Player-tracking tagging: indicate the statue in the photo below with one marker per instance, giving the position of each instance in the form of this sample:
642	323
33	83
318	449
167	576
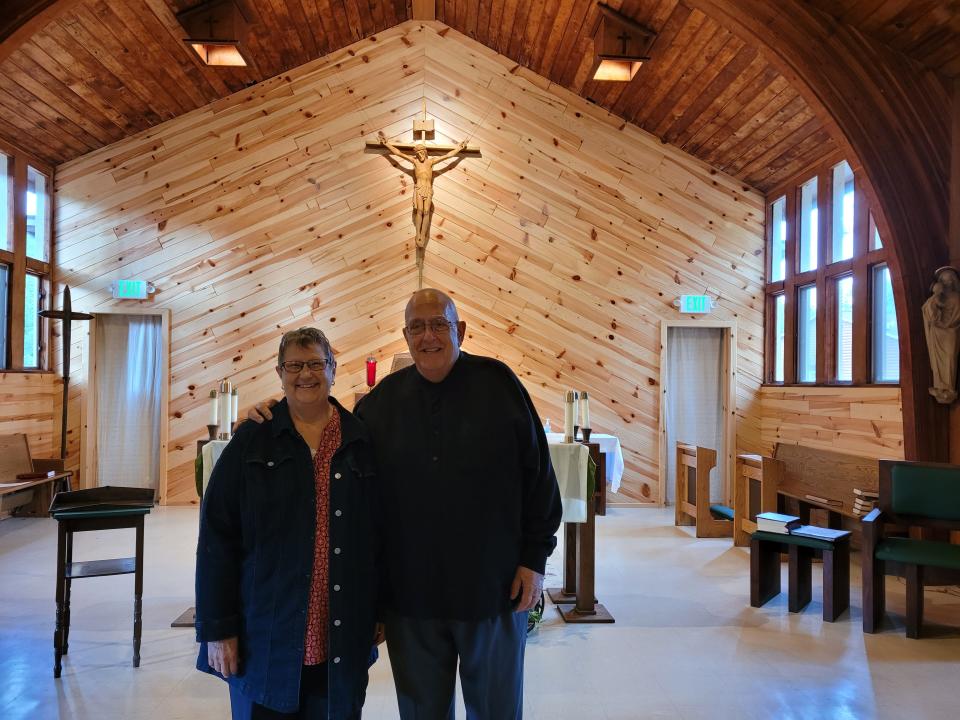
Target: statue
422	189
941	323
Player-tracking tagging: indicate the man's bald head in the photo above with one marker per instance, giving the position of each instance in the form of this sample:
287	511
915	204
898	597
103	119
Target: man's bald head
433	332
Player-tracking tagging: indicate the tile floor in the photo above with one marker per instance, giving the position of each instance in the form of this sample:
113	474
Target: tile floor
686	644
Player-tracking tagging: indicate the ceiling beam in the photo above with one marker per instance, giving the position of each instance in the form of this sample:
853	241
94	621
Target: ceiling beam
424	10
26	20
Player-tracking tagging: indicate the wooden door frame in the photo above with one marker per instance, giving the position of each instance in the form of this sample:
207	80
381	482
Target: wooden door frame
88	439
728	330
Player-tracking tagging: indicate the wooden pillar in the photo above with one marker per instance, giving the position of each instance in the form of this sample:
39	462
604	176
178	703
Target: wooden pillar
424	10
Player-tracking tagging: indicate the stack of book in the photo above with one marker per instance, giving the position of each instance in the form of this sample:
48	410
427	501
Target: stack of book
776	523
864	501
819	533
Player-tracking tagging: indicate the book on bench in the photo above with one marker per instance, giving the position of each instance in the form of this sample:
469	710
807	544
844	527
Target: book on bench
819	533
36	475
777	522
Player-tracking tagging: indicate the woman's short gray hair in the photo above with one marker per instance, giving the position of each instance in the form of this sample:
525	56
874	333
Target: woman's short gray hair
305	337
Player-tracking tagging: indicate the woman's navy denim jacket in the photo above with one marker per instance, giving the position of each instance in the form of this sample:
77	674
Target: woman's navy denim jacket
255	561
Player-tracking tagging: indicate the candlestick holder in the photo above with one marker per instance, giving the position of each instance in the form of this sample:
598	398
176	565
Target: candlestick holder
576	430
586	434
212	431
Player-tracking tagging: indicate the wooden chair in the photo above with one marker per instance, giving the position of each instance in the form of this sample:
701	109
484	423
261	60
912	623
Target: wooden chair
693	493
754	492
918	495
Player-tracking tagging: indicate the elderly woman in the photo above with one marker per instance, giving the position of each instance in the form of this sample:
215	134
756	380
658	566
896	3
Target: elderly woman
286	580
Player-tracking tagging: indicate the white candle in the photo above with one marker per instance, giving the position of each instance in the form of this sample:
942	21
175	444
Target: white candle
568	417
212	408
224	401
234	405
584	410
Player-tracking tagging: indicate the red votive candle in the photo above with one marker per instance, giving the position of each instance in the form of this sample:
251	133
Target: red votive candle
371	371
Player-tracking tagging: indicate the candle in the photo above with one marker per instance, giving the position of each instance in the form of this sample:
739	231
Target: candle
234	405
212	408
568	417
371	371
584	410
223	399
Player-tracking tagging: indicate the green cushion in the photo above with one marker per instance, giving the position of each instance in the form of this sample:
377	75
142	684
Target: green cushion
793	540
721	512
932	492
919	552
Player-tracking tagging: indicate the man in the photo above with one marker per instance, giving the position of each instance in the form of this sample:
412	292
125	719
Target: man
470	508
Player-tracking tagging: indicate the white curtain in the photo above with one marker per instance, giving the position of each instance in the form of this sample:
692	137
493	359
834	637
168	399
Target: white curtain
694	408
128	400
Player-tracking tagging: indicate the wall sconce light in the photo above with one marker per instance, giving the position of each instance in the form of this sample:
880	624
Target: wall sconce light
620	46
215	31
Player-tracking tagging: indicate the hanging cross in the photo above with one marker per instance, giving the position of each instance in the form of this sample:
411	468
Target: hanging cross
624	38
67	316
423	173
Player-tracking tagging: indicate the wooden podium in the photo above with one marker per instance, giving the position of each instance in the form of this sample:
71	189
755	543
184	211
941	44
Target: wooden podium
576	600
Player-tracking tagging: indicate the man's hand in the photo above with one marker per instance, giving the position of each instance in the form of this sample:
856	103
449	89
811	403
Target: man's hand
261	411
378	635
527	586
224	656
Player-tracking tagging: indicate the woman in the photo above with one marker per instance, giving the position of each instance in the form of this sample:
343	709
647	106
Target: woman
286	581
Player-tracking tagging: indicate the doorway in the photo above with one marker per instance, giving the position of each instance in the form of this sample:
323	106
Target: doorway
127	397
698	400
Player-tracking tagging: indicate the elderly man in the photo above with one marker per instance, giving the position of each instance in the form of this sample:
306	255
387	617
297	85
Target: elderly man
470	508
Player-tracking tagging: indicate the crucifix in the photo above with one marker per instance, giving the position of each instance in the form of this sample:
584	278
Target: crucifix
418	154
67	315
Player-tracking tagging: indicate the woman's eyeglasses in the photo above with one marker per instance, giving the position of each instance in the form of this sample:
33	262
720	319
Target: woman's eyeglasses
295	366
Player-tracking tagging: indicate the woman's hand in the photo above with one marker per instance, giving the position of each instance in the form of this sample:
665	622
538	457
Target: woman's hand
261	411
224	656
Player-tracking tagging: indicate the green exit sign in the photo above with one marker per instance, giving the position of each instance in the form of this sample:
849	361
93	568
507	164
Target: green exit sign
131	289
696	304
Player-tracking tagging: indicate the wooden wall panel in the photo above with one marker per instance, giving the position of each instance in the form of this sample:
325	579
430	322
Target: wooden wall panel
865	421
565	243
27	403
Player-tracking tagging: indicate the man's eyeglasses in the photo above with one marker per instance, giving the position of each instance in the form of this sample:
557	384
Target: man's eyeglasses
295	366
437	326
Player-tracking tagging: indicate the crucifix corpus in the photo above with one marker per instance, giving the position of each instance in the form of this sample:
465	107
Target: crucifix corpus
417	154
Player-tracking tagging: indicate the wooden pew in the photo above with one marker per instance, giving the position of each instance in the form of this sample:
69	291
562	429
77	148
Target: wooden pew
31	497
754	491
692	500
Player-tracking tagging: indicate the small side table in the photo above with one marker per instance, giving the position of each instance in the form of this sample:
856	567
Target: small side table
765	549
103	508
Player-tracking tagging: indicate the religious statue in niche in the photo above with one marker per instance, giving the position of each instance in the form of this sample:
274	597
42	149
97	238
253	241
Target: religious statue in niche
941	323
422	189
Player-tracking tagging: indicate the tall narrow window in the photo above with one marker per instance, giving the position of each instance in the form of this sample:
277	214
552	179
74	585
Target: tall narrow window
4	311
807	334
31	322
778	338
808	225
842	212
844	342
778	240
875	242
6	214
886	343
36	215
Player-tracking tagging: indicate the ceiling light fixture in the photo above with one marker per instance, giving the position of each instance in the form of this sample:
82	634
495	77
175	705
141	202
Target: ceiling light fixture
620	46
216	31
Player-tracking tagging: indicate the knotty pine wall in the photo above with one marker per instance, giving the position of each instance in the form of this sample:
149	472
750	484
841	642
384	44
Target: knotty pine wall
27	406
564	245
864	421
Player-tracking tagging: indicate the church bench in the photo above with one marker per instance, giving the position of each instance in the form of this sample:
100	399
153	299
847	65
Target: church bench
692	497
34	494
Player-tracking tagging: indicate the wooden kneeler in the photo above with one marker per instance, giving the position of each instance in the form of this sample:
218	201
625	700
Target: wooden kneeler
693	498
576	600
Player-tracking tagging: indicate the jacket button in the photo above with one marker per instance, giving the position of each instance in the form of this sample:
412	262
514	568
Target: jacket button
336	588
336	623
338	513
435	458
336	476
270	463
336	660
336	551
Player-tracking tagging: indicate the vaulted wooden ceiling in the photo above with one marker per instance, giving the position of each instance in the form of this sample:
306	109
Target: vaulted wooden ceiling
100	71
